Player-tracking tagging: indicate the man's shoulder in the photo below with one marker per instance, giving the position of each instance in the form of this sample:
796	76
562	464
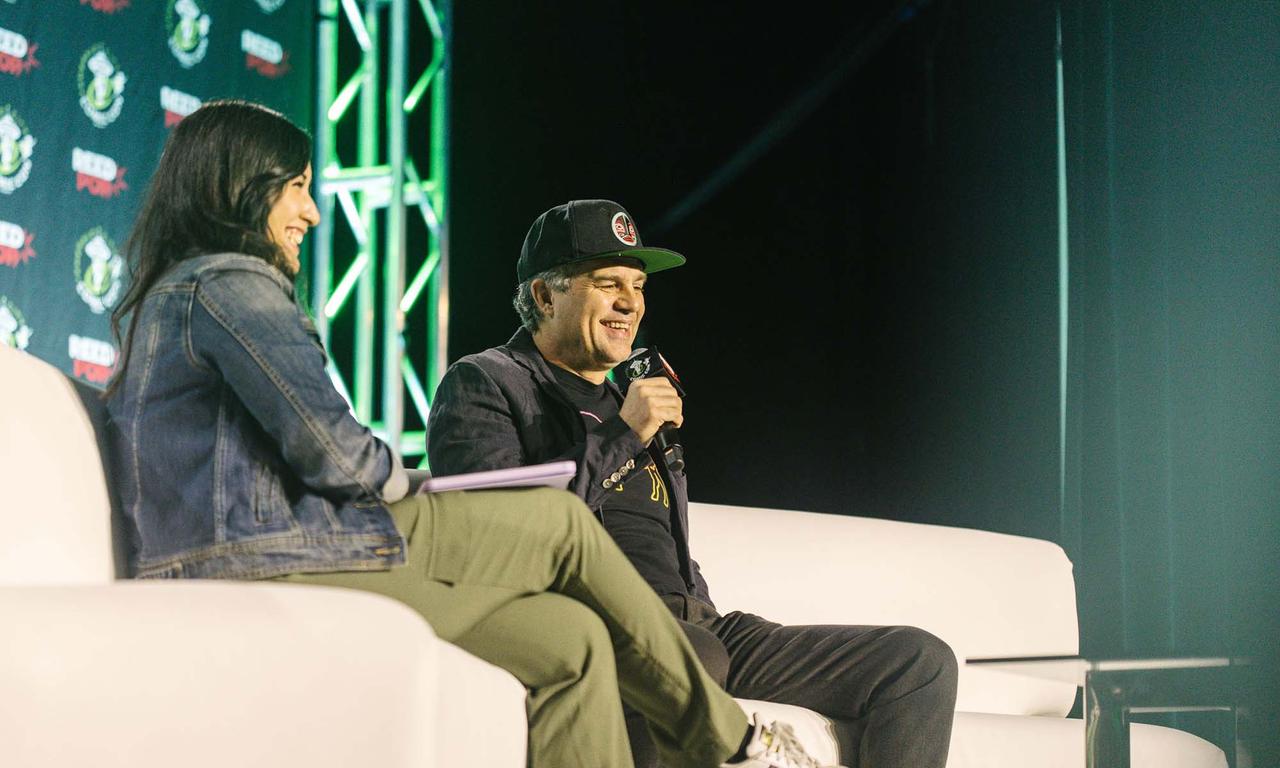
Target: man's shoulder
482	376
507	363
497	362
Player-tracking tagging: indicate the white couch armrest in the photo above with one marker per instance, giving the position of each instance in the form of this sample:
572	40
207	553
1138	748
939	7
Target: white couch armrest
213	674
986	594
53	499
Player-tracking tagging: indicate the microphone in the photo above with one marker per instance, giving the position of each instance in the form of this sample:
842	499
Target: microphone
646	363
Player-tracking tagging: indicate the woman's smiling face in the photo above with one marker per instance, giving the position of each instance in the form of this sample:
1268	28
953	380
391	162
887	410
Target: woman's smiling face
290	218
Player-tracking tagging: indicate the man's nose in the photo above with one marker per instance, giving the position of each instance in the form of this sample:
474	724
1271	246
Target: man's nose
628	299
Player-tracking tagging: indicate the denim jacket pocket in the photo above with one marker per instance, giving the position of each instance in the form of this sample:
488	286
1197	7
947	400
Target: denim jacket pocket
270	507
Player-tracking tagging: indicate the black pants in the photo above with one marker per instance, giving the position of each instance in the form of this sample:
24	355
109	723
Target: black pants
891	690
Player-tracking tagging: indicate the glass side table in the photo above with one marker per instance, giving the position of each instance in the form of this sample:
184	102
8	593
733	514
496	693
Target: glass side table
1116	688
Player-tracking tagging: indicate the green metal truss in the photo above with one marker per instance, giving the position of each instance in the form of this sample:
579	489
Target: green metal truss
368	241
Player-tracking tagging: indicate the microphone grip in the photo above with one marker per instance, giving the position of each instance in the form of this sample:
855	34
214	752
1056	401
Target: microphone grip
668	442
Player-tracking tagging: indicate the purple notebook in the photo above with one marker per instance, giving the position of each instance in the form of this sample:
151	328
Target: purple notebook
555	474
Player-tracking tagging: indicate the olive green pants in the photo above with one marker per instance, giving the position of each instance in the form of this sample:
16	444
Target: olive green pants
529	580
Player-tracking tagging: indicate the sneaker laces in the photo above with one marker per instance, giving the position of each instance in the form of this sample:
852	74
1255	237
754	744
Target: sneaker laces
784	749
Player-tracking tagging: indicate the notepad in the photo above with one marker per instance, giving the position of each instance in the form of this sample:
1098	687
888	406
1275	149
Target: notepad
555	474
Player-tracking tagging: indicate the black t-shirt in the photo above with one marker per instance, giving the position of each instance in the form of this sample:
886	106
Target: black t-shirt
638	513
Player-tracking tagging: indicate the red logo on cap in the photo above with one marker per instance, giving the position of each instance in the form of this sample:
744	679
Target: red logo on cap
624	229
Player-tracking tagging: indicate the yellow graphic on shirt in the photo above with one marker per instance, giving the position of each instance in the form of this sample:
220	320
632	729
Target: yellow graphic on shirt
657	488
659	491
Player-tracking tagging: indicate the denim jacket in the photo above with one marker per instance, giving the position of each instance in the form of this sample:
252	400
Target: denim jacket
236	456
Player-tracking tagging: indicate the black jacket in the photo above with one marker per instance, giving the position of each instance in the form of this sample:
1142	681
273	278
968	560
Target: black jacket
503	408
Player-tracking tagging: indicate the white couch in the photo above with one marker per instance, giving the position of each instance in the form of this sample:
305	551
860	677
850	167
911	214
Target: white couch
95	671
986	594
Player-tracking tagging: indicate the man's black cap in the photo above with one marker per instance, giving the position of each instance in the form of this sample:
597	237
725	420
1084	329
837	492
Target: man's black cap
581	230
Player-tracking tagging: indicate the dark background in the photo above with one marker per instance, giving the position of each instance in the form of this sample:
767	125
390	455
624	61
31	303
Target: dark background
870	321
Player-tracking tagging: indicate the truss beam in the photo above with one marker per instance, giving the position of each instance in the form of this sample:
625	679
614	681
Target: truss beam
373	185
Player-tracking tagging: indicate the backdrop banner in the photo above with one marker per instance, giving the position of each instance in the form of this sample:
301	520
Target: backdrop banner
88	92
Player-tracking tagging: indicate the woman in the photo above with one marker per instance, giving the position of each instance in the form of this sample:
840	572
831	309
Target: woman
240	460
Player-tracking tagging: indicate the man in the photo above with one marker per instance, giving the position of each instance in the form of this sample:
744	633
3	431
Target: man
544	396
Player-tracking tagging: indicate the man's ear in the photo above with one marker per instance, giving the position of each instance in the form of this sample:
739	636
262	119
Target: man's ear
541	295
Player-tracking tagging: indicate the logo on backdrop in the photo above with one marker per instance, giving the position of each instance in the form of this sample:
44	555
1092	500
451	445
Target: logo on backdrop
176	105
16	145
15	244
106	6
270	6
624	229
14	331
17	55
101	85
98	268
188	30
263	55
91	359
98	174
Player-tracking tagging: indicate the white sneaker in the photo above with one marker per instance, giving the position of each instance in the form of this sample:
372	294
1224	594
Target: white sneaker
774	745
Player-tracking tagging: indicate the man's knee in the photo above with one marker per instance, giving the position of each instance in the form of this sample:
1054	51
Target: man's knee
928	657
711	651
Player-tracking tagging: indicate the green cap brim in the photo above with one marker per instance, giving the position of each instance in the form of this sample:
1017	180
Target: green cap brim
653	259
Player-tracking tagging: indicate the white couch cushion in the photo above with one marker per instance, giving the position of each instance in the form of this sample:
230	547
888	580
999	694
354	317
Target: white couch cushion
1005	741
214	674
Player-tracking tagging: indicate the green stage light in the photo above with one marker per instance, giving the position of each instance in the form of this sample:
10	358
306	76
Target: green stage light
343	291
419	282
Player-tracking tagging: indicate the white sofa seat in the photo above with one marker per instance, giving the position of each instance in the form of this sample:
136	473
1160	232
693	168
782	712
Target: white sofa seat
984	739
214	674
988	740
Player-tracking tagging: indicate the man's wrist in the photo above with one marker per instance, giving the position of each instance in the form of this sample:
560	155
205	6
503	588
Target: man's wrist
620	435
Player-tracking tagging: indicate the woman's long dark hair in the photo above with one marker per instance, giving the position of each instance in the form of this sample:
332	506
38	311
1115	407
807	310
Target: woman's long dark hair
223	168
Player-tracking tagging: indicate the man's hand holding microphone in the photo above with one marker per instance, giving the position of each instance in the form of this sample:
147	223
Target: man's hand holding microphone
649	404
654	403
